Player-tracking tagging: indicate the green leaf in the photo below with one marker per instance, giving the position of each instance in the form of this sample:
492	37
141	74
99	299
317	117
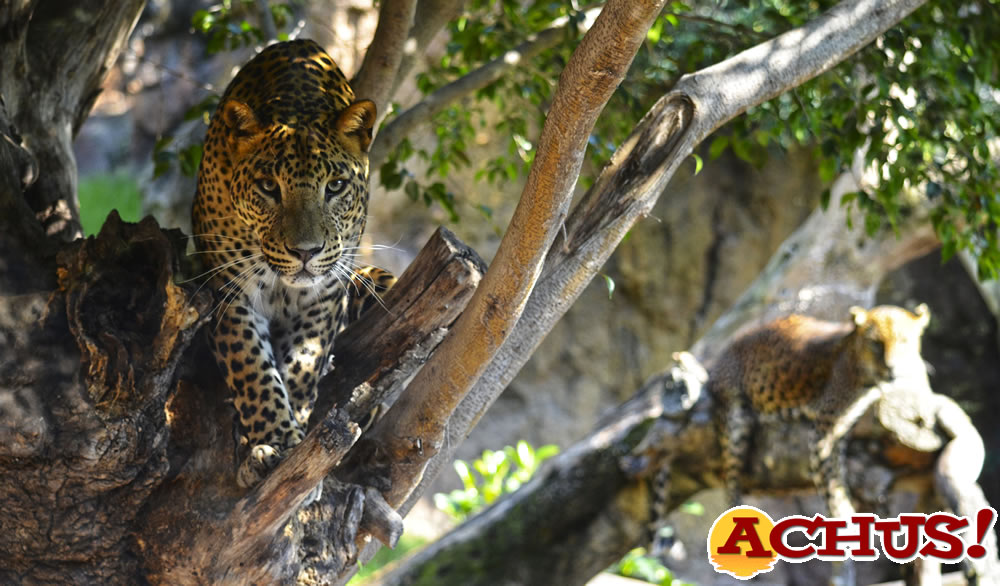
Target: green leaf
610	284
464	474
697	163
718	146
190	159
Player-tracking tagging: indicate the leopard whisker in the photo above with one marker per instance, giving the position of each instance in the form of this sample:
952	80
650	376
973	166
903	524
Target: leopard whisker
234	288
215	270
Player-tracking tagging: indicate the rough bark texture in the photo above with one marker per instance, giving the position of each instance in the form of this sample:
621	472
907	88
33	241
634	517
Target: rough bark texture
49	80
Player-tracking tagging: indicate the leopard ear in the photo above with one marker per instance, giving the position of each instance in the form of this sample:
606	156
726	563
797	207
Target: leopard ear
923	314
858	315
240	121
356	123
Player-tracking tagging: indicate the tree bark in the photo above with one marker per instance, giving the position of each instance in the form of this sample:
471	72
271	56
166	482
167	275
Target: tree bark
49	81
375	80
413	429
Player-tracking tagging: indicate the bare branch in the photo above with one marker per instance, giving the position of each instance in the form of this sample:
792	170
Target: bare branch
375	79
639	171
430	18
401	127
597	67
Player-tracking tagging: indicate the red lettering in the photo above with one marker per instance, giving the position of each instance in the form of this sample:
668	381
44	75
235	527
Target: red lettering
831	538
952	525
795	523
911	539
745	531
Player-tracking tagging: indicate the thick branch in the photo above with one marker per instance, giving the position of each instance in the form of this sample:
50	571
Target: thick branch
592	74
638	173
404	124
375	80
238	548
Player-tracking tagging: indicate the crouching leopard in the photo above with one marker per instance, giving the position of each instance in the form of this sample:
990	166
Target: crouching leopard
281	203
828	373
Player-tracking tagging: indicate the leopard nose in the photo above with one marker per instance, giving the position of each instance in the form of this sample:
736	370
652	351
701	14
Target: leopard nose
306	254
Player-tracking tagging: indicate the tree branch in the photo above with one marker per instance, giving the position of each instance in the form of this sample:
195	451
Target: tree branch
239	547
376	78
394	132
592	74
602	500
431	16
637	174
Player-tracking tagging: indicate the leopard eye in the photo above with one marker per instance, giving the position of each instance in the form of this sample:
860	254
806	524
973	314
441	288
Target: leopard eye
335	188
270	188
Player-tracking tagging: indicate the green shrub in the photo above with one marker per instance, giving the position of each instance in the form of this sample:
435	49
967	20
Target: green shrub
499	473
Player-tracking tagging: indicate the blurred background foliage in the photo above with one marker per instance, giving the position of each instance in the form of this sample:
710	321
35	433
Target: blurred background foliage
920	103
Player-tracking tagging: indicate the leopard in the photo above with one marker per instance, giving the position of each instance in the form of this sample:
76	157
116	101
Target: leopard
827	373
280	206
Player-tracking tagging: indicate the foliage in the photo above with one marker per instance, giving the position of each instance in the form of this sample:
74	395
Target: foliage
921	103
485	31
640	566
499	472
227	27
101	193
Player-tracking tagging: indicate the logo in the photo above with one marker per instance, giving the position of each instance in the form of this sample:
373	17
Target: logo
744	541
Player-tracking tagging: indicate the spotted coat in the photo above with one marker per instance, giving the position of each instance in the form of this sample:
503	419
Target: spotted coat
800	368
281	204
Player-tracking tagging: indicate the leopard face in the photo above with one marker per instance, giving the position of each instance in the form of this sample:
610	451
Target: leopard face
885	344
284	177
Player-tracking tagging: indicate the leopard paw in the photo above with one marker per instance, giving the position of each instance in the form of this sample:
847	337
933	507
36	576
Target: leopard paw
258	463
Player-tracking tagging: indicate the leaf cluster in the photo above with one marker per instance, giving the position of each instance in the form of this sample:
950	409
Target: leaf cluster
232	24
920	103
489	477
485	31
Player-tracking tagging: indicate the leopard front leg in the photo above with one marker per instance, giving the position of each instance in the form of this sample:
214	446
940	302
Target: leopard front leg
244	352
304	339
